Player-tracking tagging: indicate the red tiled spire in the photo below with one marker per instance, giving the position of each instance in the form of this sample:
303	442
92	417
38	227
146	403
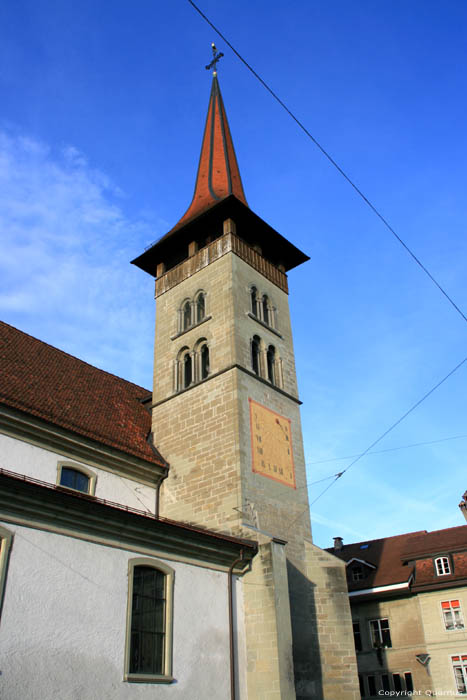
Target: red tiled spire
218	174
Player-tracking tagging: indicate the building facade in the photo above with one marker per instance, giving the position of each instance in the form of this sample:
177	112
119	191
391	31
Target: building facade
159	544
408	596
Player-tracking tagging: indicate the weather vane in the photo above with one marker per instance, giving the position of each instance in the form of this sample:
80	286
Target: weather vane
216	56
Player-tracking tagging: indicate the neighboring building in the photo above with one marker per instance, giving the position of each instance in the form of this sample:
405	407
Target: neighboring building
408	596
218	445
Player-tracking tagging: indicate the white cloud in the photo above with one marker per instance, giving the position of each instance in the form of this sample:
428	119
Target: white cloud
66	246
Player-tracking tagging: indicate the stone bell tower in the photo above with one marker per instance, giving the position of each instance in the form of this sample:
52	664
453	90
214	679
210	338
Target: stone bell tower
226	418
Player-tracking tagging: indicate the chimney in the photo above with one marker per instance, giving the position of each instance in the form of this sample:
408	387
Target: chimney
463	505
338	543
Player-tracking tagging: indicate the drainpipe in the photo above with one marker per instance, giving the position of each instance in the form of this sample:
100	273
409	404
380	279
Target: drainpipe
231	628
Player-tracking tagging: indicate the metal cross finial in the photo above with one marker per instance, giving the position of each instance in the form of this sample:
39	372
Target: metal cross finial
215	58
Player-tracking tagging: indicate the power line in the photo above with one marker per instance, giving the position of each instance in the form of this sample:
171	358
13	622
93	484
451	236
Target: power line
394	425
332	161
379	452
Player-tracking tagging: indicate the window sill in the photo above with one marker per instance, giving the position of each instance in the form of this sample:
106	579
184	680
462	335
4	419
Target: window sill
265	325
187	330
147	678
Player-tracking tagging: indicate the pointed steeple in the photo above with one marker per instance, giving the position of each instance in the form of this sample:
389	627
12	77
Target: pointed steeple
218	173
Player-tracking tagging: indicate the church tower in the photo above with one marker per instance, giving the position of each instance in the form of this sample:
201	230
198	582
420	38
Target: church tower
226	418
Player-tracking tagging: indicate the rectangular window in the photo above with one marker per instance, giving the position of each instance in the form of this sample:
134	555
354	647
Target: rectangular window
362	686
371	685
385	681
397	682
459	665
408	682
452	615
380	633
357	637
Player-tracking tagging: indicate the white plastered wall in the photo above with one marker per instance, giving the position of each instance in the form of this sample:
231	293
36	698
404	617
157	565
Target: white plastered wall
38	463
62	630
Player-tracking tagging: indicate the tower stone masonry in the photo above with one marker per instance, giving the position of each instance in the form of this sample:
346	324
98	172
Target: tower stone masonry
226	417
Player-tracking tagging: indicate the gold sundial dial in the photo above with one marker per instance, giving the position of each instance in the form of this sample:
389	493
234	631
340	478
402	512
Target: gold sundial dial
271	444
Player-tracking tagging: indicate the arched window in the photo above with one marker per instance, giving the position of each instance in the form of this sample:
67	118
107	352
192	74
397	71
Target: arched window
255	354
265	304
148	654
271	362
204	358
200	307
76	477
254	301
186	315
187	370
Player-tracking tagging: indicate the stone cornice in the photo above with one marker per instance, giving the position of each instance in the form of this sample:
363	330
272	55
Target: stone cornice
34	504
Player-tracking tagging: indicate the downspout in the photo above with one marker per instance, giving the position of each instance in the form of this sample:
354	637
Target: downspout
231	628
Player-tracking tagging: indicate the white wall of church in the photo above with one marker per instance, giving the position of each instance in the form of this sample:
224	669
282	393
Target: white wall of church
63	623
39	463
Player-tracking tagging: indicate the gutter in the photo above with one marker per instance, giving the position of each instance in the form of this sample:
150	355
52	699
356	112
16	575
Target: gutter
231	629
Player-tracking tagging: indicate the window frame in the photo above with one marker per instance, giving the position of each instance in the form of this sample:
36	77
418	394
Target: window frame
6	540
443	563
92	476
463	666
381	644
451	609
169	573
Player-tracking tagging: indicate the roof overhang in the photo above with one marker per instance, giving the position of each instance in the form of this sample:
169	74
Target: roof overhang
172	248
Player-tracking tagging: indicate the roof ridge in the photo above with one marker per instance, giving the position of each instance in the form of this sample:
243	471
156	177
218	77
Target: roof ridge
73	357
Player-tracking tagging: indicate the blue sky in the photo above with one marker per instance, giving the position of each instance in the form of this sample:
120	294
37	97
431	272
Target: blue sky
102	107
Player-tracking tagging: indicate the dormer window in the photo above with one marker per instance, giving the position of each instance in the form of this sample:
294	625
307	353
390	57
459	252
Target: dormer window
442	566
357	573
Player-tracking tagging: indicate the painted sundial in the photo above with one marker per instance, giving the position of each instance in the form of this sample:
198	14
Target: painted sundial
271	444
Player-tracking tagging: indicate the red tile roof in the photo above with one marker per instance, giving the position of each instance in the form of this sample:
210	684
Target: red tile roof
218	173
384	554
437	542
390	555
45	382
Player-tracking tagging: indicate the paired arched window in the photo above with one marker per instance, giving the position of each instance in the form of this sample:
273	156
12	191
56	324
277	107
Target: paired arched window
265	361
262	308
192	312
192	366
148	654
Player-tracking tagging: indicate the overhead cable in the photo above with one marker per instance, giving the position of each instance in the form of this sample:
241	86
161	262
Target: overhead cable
332	161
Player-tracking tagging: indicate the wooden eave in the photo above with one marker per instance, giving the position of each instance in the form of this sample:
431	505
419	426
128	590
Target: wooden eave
172	248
